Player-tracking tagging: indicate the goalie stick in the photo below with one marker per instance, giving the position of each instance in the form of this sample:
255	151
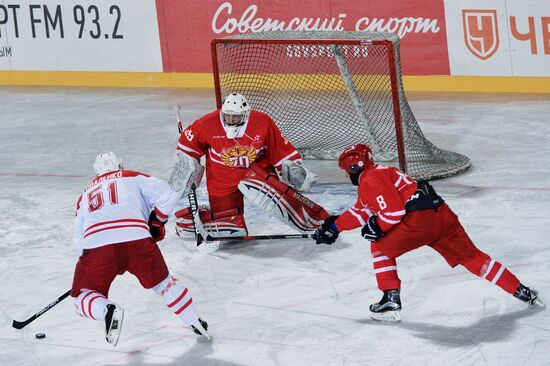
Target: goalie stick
203	237
21	324
262	237
200	232
177	109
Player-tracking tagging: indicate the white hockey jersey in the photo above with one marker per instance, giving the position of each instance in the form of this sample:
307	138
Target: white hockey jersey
115	208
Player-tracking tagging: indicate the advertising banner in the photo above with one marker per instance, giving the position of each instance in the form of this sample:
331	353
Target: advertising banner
188	27
498	37
79	35
438	37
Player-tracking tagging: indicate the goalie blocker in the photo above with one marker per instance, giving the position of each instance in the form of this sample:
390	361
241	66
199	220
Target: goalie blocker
265	190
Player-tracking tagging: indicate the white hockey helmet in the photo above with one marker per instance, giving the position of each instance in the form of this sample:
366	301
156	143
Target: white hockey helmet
107	162
234	114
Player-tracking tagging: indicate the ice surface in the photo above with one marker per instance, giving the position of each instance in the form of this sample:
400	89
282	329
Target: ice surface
281	302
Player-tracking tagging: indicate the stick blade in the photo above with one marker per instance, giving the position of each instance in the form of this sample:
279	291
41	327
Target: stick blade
18	325
208	246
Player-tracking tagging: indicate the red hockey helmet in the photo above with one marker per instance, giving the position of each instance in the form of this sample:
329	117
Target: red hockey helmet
356	158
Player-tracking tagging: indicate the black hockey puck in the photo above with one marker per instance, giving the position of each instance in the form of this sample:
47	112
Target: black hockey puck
40	335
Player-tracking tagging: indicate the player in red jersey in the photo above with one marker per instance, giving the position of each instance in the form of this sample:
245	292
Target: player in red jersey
399	214
246	155
119	219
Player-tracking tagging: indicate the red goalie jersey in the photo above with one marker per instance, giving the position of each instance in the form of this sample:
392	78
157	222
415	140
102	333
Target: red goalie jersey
228	159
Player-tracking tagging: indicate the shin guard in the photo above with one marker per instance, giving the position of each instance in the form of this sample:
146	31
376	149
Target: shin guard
385	270
91	304
178	299
493	271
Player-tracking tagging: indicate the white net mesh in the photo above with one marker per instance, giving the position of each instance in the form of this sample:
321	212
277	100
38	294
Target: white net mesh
326	96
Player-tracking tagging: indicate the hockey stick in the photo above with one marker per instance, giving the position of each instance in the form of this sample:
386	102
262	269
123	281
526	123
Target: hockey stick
19	325
203	237
260	237
200	232
178	118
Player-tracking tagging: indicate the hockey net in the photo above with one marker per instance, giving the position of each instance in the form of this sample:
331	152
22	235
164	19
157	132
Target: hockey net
329	90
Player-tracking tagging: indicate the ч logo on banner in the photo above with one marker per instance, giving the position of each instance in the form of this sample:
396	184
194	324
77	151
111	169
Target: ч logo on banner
480	32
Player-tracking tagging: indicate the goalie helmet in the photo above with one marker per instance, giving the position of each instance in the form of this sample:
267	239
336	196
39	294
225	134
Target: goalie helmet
234	114
107	162
355	159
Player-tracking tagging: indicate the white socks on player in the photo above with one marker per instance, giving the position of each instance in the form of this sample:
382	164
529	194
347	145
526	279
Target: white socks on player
178	299
91	304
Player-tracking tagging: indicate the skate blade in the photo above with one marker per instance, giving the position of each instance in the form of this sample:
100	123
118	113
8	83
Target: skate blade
387	316
538	302
114	333
203	331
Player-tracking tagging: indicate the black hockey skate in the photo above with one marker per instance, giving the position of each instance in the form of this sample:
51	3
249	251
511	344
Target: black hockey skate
200	328
528	295
388	308
114	315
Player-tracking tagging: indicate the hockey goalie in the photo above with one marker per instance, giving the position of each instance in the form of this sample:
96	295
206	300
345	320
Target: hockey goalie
246	156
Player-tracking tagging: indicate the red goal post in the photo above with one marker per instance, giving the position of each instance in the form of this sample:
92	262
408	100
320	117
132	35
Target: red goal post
328	90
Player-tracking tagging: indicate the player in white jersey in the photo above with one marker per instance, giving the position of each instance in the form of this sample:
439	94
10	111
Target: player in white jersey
119	219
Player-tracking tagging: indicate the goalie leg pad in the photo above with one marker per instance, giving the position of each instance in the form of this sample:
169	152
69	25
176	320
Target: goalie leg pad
184	222
265	190
217	224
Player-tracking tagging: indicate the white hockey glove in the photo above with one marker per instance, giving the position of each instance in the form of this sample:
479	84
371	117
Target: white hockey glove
187	171
297	175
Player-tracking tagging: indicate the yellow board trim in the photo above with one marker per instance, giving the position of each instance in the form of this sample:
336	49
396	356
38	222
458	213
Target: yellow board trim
491	84
478	84
108	79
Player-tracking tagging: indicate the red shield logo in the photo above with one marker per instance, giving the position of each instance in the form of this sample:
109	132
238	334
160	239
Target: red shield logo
480	32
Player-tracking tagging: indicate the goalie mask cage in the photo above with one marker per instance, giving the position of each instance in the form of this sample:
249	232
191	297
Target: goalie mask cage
329	90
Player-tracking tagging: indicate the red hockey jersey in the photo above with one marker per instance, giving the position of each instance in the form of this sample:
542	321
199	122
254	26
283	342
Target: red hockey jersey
382	191
228	159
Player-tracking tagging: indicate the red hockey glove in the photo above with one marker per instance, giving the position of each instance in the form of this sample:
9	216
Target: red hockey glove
371	231
156	227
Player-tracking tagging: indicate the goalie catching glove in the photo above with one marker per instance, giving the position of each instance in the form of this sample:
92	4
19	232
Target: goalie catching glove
187	171
297	175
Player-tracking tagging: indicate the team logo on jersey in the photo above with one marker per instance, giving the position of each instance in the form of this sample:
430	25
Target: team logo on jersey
238	156
188	134
480	32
